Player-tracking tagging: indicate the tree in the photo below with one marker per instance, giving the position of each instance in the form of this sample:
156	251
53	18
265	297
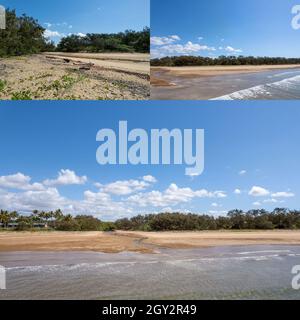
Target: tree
23	35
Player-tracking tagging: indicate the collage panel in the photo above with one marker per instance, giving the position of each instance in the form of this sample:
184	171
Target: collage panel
62	50
225	50
99	216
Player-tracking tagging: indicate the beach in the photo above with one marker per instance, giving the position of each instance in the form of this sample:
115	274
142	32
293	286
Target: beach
226	82
80	76
142	242
149	265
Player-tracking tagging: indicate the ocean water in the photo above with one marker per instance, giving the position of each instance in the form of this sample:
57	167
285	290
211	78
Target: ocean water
246	272
276	84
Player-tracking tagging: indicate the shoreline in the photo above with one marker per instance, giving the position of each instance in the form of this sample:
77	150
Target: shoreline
207	71
140	242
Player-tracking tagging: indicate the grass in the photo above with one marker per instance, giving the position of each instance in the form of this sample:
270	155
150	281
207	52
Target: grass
3	84
22	95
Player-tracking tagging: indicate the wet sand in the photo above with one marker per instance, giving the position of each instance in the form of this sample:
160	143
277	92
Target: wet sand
203	71
142	242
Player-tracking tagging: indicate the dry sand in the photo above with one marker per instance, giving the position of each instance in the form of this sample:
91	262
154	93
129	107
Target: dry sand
144	242
158	73
63	77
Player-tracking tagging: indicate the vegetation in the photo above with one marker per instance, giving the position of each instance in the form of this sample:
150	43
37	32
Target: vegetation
179	61
235	220
53	220
23	35
128	41
279	218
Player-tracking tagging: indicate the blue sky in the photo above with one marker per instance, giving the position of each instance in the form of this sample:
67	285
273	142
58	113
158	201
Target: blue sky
92	16
224	27
48	158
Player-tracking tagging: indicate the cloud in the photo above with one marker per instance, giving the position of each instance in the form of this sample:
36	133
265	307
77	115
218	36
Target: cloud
200	38
48	25
257	204
218	212
237	191
283	195
258	192
242	172
125	187
160	41
149	178
216	205
180	49
19	181
173	195
80	34
66	177
232	50
53	34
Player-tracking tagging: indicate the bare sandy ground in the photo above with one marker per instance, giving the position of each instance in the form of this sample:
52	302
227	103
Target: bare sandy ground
144	242
131	62
54	77
204	71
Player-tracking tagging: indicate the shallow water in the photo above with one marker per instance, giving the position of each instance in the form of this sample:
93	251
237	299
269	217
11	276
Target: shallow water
267	85
246	272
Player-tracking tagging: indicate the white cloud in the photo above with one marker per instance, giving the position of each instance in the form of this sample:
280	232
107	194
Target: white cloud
237	191
216	205
242	172
125	187
80	34
19	181
48	25
257	204
271	201
171	196
200	38
218	212
66	177
283	195
232	50
149	178
160	41
53	34
258	192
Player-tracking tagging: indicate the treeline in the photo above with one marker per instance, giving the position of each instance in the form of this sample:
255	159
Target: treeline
235	220
55	220
179	61
259	219
23	35
128	41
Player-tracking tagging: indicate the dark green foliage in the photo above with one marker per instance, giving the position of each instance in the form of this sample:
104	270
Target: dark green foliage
179	61
88	223
235	220
279	218
23	35
128	41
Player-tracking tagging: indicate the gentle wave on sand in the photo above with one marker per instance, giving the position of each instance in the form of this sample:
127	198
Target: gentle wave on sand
283	89
237	272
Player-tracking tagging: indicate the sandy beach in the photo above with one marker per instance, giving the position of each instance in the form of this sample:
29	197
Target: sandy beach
67	76
143	242
204	71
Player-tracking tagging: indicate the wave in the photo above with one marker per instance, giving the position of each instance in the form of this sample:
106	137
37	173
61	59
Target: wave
289	87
